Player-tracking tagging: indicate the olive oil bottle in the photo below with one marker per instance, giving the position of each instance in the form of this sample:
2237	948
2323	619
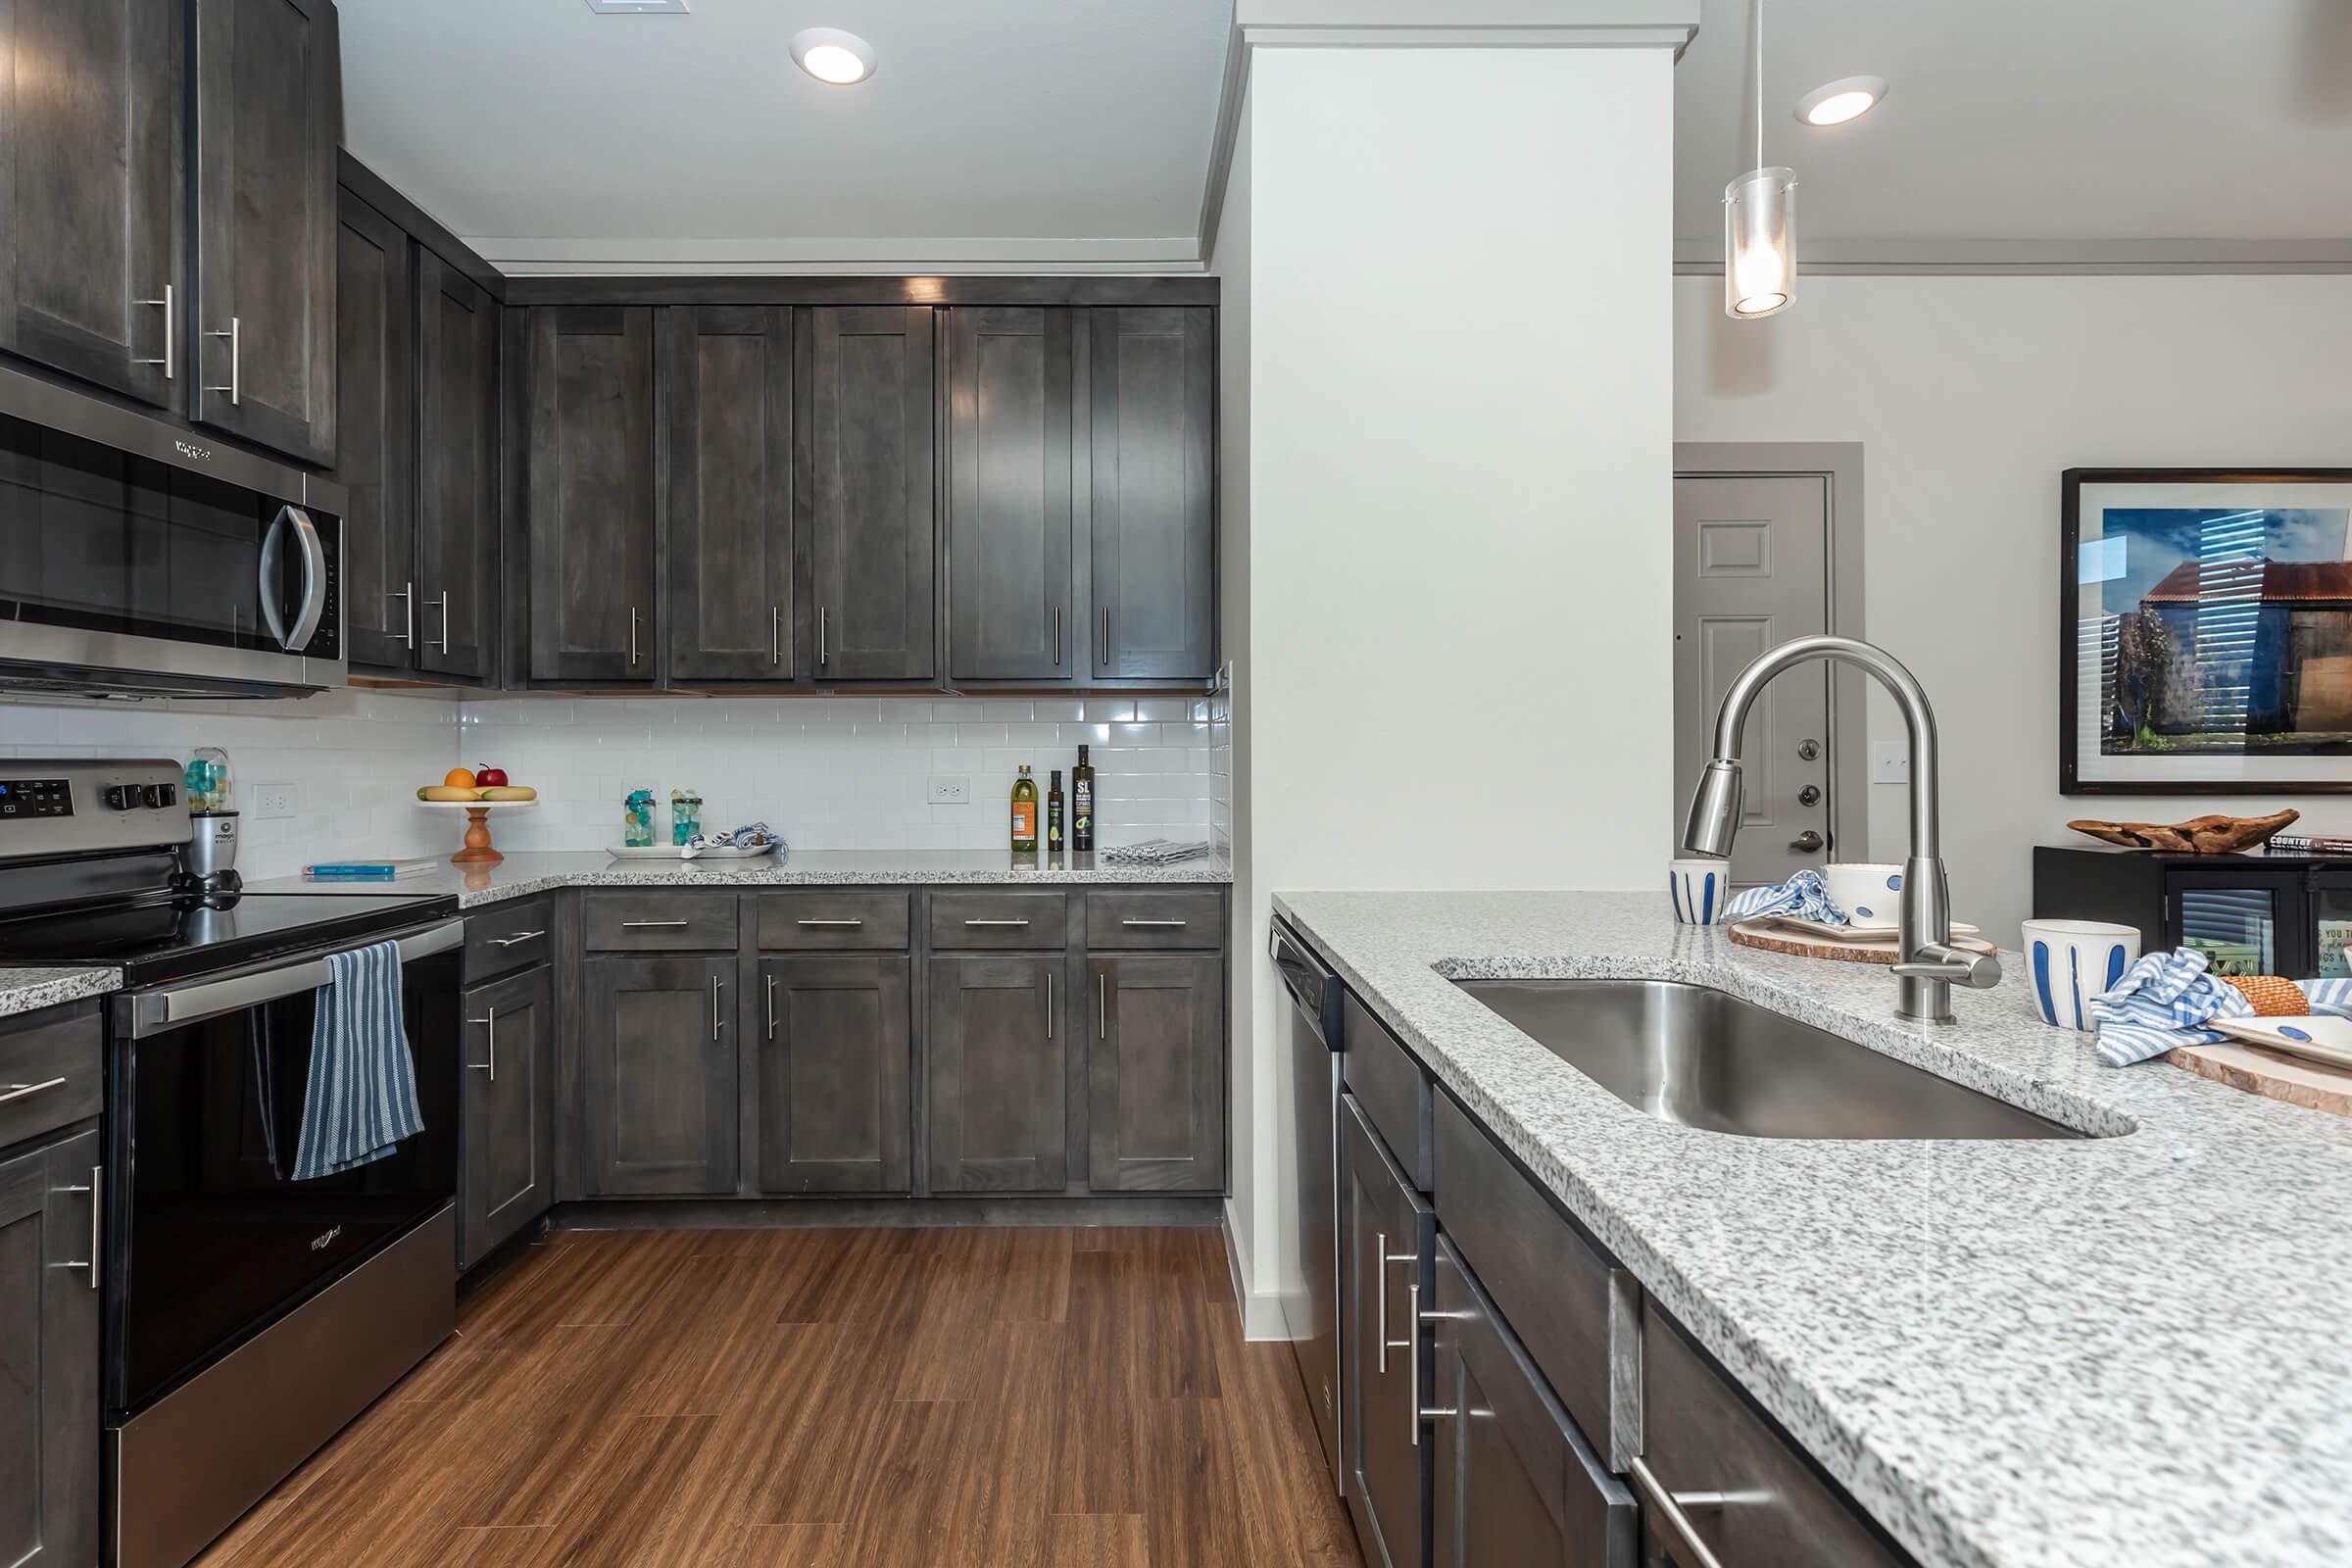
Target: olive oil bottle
1053	839
1024	814
1082	804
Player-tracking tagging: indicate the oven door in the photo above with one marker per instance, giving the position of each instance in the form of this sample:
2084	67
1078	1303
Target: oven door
209	1237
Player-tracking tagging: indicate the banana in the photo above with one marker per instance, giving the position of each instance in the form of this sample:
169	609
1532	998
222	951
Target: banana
510	792
447	791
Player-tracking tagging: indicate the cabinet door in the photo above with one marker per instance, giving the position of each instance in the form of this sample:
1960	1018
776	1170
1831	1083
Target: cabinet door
1012	597
1155	1074
49	1357
375	456
591	494
268	118
1388	1235
836	1052
997	1076
508	1176
727	404
872	524
457	473
1513	1479
659	1045
1153	521
92	218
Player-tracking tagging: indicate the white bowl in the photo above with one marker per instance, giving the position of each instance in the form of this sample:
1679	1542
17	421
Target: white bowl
1871	895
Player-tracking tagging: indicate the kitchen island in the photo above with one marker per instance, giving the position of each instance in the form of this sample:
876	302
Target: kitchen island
2121	1350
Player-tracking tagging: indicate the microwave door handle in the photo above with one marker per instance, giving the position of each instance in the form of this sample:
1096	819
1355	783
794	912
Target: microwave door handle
313	583
273	566
160	1010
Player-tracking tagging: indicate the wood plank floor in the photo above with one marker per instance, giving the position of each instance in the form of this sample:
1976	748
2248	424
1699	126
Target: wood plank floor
853	1399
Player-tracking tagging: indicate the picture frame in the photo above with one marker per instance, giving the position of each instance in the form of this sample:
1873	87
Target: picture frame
2205	631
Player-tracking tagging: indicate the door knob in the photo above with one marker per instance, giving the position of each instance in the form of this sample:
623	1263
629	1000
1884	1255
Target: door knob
1806	843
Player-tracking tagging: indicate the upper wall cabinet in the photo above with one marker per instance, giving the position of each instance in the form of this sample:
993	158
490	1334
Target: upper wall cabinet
1154	524
92	212
269	115
871	511
592	498
1012	604
728	401
374	343
457	474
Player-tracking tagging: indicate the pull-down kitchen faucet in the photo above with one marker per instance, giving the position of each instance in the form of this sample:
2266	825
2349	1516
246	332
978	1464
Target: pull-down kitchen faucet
1928	964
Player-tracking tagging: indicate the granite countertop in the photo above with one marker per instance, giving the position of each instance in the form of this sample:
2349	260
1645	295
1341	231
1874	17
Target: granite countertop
2128	1350
28	990
537	872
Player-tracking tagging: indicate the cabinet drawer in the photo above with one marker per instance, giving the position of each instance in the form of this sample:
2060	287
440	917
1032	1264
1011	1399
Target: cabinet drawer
1391	1087
825	922
1700	1435
1191	918
658	923
52	1070
508	937
999	919
1551	1285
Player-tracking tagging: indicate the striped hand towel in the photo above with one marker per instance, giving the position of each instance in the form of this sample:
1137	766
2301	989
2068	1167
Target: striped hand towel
2167	999
1806	894
363	1094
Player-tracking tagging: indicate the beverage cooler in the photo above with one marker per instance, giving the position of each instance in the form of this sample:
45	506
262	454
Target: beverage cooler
2287	915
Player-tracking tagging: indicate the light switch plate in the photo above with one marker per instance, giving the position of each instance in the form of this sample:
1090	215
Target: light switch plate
951	789
1891	763
272	801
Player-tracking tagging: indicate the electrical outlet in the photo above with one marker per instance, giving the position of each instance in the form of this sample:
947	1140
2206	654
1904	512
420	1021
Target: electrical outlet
272	801
951	789
1891	763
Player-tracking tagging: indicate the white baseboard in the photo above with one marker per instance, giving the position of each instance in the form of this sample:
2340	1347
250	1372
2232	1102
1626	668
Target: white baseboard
1261	1310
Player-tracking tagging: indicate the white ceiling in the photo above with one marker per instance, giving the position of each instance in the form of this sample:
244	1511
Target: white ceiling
992	130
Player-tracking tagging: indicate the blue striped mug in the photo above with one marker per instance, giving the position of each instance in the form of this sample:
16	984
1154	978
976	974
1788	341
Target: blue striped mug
2068	963
1701	889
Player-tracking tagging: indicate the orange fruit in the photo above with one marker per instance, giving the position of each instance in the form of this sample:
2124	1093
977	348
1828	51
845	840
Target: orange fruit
458	778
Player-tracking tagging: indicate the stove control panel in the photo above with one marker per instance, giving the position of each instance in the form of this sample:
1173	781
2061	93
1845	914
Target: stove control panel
81	805
35	797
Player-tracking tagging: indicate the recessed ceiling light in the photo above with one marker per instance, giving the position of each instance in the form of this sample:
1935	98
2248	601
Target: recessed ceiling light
836	58
1846	98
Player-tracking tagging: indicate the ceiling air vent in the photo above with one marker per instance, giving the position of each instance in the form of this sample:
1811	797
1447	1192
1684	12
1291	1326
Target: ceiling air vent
637	8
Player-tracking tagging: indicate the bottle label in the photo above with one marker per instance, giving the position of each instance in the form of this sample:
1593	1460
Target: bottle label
1024	821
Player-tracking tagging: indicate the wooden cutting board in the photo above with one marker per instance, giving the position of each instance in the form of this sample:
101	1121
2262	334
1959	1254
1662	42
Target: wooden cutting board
2272	1074
1752	935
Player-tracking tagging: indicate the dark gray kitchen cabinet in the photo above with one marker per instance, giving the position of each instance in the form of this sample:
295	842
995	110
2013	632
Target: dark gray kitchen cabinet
92	213
1388	1241
995	1075
1513	1481
727	407
507	1178
1012	607
658	1042
836	1065
375	453
268	119
870	509
1153	520
49	1409
1155	1073
591	497
457	580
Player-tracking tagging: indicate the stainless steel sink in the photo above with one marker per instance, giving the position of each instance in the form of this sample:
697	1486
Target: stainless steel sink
1705	1058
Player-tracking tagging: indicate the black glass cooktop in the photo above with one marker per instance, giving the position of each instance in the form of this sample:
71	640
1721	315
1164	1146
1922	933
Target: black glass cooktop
171	939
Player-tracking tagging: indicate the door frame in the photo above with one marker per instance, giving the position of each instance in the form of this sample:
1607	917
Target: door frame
1840	465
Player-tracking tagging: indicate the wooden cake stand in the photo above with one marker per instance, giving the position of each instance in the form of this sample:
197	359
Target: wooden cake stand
479	850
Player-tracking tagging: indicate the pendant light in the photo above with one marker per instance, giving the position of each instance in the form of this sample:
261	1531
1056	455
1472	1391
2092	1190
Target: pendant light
1759	234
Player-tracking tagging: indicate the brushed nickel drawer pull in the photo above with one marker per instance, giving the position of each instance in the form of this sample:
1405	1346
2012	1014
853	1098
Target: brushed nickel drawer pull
1156	925
26	1091
996	923
1049	1003
96	1187
236	374
716	986
775	634
771	1006
1103	1006
1380	1296
830	922
651	925
490	1066
519	935
1682	1540
406	595
171	369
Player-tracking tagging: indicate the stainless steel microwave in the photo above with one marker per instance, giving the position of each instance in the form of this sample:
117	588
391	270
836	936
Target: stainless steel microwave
137	558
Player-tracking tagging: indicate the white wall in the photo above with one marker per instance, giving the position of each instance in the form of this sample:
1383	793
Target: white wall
1459	511
1970	395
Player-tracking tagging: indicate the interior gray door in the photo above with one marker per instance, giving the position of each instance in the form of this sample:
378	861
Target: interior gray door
1751	570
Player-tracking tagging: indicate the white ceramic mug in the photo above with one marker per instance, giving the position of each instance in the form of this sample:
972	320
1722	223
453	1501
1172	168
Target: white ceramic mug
1701	889
2067	963
1870	895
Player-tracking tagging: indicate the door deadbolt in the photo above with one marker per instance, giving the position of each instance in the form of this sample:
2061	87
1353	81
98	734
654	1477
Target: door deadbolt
1808	751
1810	795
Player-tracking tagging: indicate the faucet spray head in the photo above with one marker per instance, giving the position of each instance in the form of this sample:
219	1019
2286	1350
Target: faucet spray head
1714	820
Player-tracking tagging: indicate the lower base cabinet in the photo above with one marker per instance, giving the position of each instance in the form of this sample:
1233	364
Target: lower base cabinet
836	1062
507	1178
659	1070
49	1356
997	1082
1387	1234
1155	1073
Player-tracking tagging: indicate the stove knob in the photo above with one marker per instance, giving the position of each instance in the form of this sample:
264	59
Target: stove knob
120	796
158	796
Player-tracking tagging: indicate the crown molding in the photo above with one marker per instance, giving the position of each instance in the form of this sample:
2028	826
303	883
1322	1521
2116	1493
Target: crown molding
791	258
2042	258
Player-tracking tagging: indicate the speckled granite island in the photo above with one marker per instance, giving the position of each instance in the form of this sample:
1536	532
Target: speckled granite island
28	989
2127	1350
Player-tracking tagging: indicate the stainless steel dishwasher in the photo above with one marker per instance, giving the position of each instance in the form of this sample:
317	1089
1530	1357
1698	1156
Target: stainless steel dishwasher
1310	1164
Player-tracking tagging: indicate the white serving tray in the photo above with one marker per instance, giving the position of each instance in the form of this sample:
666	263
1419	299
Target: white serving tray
681	851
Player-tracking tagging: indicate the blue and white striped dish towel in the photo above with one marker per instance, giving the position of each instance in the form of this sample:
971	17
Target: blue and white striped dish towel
1806	894
2166	999
363	1093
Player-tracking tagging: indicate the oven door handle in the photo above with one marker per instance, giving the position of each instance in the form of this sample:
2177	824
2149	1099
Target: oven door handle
179	1006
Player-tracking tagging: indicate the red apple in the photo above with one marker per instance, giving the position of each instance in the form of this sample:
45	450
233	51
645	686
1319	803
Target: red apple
490	778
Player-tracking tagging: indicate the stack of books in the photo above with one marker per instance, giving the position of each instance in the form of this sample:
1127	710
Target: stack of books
370	870
2304	844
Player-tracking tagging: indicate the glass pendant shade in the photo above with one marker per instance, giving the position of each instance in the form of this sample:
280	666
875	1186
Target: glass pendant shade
1759	243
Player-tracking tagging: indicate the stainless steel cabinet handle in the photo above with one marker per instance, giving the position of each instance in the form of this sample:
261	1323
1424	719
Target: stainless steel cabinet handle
445	620
1380	1296
406	593
651	925
717	1024
996	923
490	1066
1057	636
1154	923
771	1006
96	1190
1667	1510
236	382
775	634
171	369
1103	653
829	922
519	935
24	1091
1049	1003
821	635
632	634
1103	1006
1413	1362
